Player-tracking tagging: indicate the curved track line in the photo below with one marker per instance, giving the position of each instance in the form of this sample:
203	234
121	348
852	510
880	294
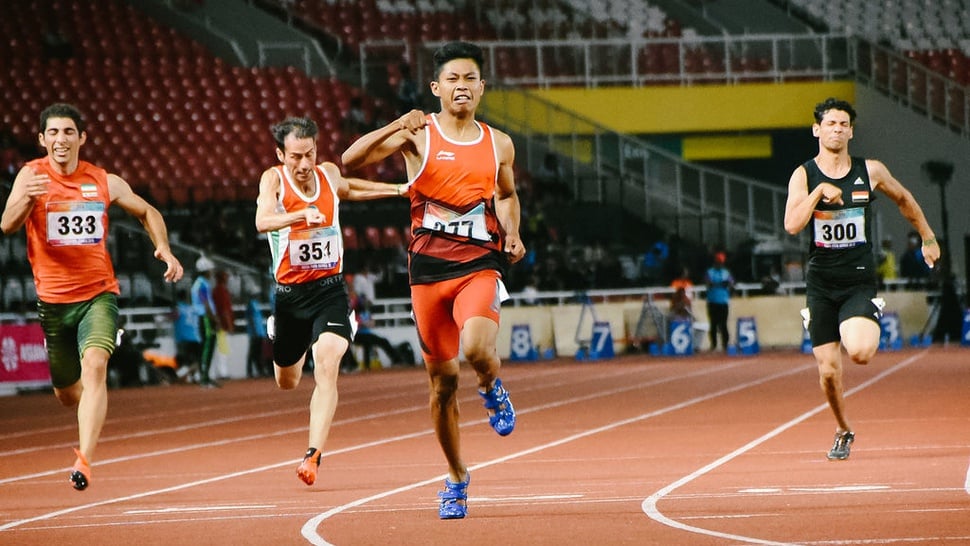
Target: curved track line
649	504
309	530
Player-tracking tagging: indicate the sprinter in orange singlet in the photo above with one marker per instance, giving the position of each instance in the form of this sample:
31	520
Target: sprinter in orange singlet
63	202
465	227
298	208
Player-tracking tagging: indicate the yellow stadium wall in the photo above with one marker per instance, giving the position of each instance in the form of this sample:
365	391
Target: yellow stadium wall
776	317
671	109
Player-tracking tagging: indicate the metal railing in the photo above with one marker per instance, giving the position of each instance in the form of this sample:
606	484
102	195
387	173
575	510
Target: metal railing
703	204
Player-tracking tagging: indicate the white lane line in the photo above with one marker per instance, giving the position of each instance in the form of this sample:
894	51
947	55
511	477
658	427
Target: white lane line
966	483
284	432
649	505
382	441
310	528
179	509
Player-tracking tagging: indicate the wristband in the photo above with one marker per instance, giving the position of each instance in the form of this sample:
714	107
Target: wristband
929	242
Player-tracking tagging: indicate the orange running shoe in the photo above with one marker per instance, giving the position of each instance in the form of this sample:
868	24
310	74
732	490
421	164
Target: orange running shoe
307	471
81	472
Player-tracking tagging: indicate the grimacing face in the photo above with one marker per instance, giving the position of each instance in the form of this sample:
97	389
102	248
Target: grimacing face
459	85
299	155
835	129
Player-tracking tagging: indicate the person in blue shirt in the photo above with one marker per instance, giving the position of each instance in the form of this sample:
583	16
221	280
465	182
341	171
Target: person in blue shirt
719	285
206	307
256	363
188	339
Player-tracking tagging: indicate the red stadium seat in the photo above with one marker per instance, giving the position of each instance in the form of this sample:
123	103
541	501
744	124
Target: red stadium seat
391	237
350	238
372	237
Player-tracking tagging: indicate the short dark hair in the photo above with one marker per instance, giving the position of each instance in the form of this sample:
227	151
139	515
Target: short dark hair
832	103
457	50
62	110
298	127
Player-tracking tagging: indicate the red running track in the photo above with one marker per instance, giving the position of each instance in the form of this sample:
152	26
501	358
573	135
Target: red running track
635	450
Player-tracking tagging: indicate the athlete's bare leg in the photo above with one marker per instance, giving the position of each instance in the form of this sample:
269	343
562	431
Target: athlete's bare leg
443	383
327	353
90	395
829	359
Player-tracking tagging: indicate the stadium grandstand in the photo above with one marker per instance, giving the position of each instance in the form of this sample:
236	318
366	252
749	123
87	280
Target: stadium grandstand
667	121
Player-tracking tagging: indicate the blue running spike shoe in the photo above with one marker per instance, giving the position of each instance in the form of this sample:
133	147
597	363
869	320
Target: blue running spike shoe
501	413
453	504
841	446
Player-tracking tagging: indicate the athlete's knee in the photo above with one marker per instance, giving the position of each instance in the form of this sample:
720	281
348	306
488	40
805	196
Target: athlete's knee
480	352
444	387
69	396
829	367
862	354
288	378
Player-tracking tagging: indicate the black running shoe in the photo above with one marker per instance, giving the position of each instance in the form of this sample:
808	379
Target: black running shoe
840	449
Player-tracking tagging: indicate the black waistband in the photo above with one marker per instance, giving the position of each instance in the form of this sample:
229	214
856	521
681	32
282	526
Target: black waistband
319	283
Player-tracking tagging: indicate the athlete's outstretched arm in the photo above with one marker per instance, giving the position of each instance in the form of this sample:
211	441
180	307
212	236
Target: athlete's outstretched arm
882	180
358	189
152	220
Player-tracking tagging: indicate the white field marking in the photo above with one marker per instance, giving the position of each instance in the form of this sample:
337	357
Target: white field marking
966	482
840	489
649	505
300	430
382	441
309	530
188	485
898	540
346	399
527	498
734	516
756	491
179	509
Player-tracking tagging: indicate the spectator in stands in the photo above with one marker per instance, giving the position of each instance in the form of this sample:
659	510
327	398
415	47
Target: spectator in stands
461	173
257	365
550	181
683	280
365	282
75	282
719	283
831	193
886	270
187	337
11	160
680	305
225	321
366	337
912	264
208	318
357	121
654	261
530	292
408	94
298	207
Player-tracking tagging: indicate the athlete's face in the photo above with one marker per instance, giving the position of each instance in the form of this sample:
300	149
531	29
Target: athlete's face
834	131
459	86
300	156
62	141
